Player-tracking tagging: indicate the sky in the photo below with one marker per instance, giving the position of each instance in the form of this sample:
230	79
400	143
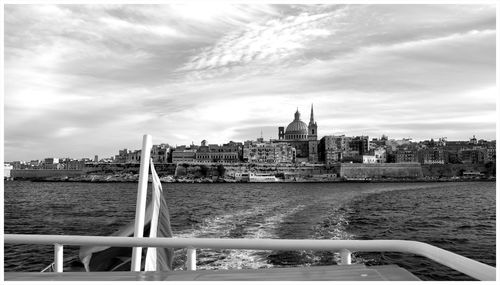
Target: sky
85	80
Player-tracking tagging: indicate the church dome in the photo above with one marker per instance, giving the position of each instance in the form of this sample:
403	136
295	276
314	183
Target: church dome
296	129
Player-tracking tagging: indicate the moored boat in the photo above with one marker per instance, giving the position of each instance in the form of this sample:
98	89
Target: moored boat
255	177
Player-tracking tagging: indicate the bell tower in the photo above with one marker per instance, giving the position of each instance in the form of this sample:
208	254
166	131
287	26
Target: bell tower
281	133
312	137
312	133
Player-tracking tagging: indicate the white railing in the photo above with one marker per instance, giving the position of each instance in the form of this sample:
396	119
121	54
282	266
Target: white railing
460	263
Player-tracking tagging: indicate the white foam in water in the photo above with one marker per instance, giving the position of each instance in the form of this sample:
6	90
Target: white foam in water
221	227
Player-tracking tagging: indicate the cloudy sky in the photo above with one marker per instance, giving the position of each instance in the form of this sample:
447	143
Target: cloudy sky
82	80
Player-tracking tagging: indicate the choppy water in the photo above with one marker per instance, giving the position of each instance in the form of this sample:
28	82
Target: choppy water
456	216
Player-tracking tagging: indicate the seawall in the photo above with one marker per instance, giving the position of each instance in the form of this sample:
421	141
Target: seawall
43	173
380	170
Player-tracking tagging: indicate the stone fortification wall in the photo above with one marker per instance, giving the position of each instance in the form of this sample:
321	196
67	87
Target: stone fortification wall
213	169
450	170
44	173
380	170
291	170
127	168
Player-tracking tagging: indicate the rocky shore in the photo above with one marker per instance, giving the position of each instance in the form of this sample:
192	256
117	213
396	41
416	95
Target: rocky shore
134	178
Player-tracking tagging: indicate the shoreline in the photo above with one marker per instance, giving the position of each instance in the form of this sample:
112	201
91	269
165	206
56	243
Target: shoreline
223	181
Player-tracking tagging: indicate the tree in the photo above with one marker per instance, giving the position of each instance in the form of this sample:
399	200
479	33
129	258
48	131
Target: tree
491	168
204	170
221	169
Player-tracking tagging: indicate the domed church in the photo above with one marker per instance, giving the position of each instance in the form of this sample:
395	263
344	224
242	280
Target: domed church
304	138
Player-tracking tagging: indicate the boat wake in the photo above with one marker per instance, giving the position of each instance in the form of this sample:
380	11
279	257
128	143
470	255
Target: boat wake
258	223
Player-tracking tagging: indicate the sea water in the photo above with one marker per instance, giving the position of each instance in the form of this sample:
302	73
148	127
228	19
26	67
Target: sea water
459	217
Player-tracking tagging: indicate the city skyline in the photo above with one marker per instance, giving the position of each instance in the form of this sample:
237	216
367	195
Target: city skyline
83	80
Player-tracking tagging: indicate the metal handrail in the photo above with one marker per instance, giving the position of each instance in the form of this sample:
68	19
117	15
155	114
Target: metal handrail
460	263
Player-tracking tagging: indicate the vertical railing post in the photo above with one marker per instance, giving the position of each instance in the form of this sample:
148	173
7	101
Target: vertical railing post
58	257
140	210
345	257
191	259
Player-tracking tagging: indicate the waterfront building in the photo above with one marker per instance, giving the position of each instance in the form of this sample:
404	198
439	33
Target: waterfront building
122	156
375	143
227	153
134	156
330	149
51	160
359	144
473	140
160	153
491	154
472	156
393	145
72	164
17	164
6	170
184	154
434	155
260	151
187	155
335	149
302	137
55	166
52	163
378	155
406	156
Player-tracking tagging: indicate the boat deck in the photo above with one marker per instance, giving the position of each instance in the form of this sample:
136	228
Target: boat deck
355	272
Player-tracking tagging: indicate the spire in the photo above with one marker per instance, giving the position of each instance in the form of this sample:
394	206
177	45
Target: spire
312	114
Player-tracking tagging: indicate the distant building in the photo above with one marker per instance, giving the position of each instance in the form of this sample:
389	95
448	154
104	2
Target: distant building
51	160
6	170
73	164
491	154
134	156
183	154
472	156
393	145
379	155
34	164
432	155
330	149
359	144
473	140
160	153
52	163
406	156
122	156
227	153
335	149
268	152
302	137
19	164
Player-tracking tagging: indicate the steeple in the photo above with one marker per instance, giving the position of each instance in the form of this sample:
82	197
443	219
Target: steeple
313	127
311	121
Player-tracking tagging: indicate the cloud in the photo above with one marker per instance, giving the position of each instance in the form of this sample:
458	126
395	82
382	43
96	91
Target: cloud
91	79
263	43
